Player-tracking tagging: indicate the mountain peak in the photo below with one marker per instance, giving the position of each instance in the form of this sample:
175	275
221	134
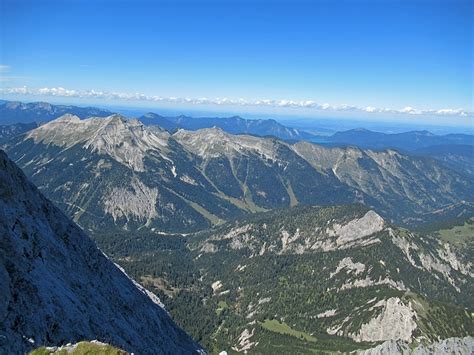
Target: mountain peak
214	142
125	141
43	105
14	104
67	118
425	133
116	118
203	133
152	115
217	130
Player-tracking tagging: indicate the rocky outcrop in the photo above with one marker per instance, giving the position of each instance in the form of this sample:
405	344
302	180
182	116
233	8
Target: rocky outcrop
356	229
396	321
458	346
336	236
214	142
135	201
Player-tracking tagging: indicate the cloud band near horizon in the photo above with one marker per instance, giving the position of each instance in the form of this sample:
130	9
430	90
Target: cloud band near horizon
308	104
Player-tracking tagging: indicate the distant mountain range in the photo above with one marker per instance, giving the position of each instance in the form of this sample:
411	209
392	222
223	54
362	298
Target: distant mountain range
18	112
408	141
454	150
233	125
57	287
111	172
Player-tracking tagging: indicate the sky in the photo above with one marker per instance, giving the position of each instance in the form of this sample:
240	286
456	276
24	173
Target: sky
397	60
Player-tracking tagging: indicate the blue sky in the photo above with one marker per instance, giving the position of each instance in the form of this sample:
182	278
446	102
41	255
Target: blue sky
379	58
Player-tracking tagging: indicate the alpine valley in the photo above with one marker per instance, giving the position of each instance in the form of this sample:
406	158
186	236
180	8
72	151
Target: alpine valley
256	244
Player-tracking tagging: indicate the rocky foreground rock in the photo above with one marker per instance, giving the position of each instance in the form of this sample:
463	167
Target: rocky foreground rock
57	287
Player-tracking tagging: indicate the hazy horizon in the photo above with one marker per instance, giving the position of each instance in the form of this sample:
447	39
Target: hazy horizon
325	124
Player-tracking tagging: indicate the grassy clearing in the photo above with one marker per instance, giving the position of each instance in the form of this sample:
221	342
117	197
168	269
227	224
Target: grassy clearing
283	328
82	348
273	342
160	284
221	306
458	234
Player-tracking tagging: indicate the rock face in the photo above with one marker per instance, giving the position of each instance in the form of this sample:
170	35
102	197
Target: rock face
57	287
356	229
461	346
396	321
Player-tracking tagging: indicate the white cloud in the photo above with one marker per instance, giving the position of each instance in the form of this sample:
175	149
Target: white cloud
21	91
451	112
306	104
57	92
409	110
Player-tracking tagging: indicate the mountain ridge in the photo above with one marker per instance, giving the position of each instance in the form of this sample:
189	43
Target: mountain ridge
406	141
12	112
213	175
15	112
233	125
